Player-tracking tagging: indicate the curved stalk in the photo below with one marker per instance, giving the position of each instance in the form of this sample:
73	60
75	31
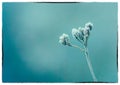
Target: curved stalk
89	64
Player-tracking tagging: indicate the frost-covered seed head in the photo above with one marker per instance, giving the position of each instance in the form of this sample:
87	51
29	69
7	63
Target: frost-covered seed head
81	34
86	32
75	32
64	39
89	26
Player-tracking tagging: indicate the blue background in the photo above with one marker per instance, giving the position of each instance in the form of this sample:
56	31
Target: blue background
31	52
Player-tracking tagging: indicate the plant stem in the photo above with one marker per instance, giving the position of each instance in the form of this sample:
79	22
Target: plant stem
77	47
88	61
89	64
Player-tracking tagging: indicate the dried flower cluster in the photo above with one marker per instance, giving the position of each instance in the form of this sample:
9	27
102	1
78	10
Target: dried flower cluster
81	34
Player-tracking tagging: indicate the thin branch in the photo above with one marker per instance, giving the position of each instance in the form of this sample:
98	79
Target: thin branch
89	64
77	47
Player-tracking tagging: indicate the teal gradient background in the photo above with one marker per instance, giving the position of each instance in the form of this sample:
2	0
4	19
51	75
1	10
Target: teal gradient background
32	53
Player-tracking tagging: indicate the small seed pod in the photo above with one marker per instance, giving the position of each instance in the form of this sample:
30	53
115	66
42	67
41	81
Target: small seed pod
81	35
64	39
75	33
86	32
89	25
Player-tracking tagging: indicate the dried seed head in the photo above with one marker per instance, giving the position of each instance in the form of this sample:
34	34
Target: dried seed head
75	32
64	39
89	26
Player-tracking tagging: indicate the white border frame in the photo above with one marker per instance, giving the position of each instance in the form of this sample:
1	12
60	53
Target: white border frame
56	1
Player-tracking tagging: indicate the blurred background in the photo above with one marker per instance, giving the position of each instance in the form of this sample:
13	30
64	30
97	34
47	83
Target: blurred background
32	53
